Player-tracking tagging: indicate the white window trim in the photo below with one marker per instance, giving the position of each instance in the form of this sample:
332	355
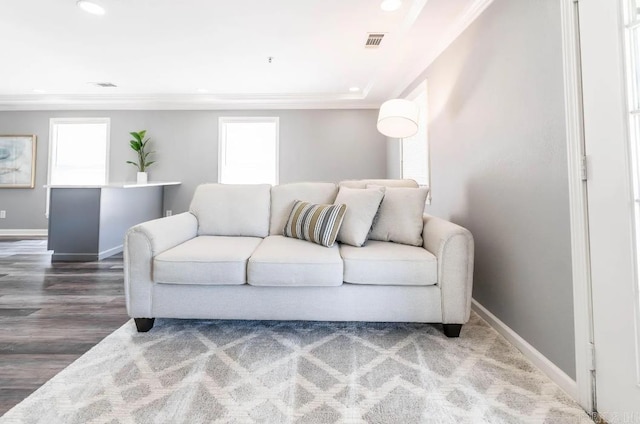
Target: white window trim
58	121
413	95
247	119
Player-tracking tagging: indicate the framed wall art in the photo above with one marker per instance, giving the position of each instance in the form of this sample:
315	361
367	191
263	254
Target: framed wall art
17	161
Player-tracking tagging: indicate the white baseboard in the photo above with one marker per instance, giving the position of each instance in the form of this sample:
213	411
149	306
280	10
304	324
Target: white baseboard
552	371
110	252
23	233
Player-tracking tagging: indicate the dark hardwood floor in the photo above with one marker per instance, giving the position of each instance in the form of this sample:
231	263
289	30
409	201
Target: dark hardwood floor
51	313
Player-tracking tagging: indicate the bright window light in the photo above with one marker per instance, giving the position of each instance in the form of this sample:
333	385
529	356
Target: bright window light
248	150
79	151
415	149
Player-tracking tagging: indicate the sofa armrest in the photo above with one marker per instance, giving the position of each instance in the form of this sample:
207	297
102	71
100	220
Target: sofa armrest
141	243
454	248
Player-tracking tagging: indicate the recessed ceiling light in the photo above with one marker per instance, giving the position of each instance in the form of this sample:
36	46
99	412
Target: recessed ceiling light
38	91
390	5
202	90
90	7
354	89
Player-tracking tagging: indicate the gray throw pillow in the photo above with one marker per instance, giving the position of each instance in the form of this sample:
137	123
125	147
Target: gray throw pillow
400	216
362	206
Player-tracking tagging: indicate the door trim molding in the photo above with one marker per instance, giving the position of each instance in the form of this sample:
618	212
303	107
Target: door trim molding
578	212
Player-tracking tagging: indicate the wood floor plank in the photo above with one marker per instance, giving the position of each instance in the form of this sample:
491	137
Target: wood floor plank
51	314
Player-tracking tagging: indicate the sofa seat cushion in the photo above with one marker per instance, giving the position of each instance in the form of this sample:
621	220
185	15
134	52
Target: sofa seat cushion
387	263
284	261
207	260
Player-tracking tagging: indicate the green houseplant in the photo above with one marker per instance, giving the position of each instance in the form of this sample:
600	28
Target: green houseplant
139	144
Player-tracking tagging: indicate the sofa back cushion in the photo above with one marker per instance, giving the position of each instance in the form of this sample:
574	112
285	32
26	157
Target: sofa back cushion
232	209
383	183
284	196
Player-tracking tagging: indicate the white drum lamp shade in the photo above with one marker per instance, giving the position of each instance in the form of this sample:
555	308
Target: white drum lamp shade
398	118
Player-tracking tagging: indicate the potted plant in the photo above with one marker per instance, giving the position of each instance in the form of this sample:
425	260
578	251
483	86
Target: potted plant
139	144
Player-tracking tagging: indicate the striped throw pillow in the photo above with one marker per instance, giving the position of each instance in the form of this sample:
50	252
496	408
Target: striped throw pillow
315	223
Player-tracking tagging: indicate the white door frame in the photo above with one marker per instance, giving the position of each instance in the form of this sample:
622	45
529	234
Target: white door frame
580	257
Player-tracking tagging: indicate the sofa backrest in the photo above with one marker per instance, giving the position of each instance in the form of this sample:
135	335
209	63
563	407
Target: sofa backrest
384	183
232	209
283	196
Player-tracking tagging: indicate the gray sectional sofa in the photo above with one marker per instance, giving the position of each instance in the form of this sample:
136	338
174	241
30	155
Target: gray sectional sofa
227	258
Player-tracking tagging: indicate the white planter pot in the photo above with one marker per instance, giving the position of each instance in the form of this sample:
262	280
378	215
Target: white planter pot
142	178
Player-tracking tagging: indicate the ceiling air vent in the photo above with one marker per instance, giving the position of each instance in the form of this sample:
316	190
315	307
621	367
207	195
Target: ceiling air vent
373	40
104	84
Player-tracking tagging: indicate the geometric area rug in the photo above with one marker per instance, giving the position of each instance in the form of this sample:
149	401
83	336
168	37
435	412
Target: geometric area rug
198	371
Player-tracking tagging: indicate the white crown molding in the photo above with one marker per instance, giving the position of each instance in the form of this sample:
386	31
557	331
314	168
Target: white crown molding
249	101
543	363
183	102
469	15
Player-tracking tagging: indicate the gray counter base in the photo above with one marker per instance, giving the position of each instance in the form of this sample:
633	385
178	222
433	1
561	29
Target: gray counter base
88	224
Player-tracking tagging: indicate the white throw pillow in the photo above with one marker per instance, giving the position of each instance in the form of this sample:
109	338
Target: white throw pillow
362	206
400	216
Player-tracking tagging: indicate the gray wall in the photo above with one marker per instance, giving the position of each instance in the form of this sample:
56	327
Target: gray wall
315	145
499	167
394	159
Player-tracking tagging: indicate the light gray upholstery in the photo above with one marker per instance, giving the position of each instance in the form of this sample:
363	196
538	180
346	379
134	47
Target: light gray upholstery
375	275
400	216
141	243
454	249
348	302
283	196
232	209
384	263
362	207
284	261
209	260
385	183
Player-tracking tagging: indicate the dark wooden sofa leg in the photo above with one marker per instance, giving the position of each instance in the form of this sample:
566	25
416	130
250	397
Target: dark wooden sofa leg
144	324
450	330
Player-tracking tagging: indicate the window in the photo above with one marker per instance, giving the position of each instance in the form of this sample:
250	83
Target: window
415	149
79	151
248	150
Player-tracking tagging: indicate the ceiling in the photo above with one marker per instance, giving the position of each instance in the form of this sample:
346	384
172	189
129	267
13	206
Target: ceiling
214	54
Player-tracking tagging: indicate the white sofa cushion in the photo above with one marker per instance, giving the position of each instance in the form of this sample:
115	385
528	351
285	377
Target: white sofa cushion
209	260
362	206
283	196
283	261
385	183
232	209
400	216
386	263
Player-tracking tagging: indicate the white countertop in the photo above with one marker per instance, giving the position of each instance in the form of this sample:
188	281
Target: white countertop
118	185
